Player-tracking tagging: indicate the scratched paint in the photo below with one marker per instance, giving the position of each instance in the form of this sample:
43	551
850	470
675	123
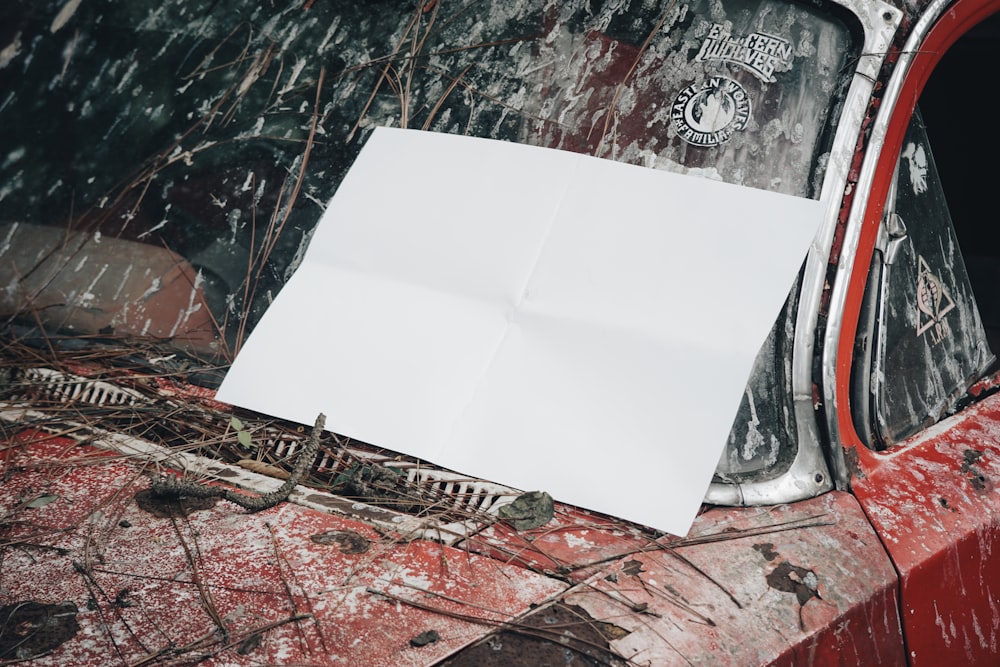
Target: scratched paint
704	617
218	577
64	15
933	501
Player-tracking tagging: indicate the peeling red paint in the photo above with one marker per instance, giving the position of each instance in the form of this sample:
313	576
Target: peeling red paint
936	509
699	604
910	554
296	585
155	590
574	545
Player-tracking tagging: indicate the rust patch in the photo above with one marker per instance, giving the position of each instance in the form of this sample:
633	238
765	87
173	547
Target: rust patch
425	638
790	578
124	599
167	506
853	463
632	568
976	477
766	549
31	629
944	503
562	634
611	631
347	541
802	582
970	456
250	644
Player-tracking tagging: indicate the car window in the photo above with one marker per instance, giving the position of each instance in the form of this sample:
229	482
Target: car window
189	125
928	343
763	437
214	132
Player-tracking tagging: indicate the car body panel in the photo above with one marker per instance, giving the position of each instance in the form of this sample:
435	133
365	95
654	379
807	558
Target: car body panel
935	506
822	595
897	566
149	580
205	582
931	498
87	284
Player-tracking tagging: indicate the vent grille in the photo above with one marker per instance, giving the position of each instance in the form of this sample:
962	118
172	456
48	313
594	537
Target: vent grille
451	506
51	385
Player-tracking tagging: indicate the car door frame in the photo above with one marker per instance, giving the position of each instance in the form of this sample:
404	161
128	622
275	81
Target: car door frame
930	497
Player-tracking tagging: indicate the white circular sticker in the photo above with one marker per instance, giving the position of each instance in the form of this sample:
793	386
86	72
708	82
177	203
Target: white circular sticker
708	114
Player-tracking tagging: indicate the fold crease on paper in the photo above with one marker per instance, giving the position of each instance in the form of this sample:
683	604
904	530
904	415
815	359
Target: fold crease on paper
541	319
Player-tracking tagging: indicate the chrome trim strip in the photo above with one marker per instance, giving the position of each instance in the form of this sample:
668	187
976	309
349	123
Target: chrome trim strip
809	474
838	296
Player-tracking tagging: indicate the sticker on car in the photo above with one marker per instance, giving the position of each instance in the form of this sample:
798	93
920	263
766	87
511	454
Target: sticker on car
758	53
710	113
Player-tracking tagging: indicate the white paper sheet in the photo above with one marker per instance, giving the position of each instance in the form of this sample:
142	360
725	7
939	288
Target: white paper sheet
537	318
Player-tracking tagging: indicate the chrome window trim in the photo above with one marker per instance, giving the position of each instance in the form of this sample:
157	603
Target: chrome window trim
810	472
845	267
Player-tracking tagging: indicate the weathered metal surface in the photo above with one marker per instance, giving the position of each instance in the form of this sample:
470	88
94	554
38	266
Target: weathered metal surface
574	544
821	595
931	496
934	502
167	583
818	595
808	581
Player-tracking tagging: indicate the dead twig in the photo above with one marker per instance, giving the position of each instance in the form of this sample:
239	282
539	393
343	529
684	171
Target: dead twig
275	229
686	561
279	559
204	593
199	644
802	523
174	488
612	109
444	96
93	586
385	74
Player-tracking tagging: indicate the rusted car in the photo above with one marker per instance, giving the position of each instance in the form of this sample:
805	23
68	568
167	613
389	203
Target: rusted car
162	168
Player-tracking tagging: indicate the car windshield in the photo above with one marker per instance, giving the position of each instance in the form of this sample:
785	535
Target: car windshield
171	160
220	132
